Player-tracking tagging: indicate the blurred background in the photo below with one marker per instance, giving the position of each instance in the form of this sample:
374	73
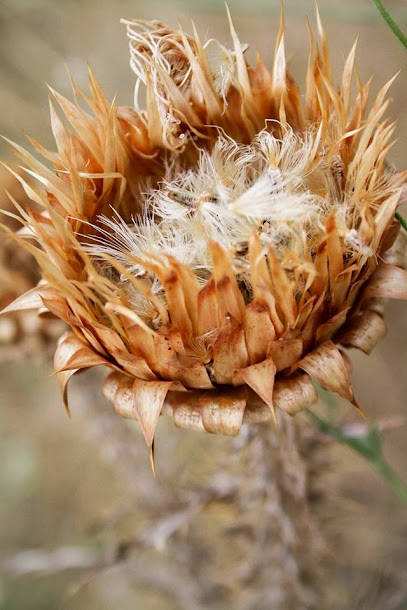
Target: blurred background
69	488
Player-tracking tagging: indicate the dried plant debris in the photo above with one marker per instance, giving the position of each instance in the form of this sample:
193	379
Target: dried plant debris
214	248
21	333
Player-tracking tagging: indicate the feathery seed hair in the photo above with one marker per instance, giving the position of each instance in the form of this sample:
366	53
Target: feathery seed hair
215	248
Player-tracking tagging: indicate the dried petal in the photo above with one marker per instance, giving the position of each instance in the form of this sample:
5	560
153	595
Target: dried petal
388	281
148	399
327	330
111	384
134	365
364	331
230	299
260	377
259	331
71	356
325	364
229	351
124	400
283	289
294	394
261	280
28	300
187	415
285	352
222	413
207	308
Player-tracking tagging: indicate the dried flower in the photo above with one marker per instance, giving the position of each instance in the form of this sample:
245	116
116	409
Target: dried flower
215	248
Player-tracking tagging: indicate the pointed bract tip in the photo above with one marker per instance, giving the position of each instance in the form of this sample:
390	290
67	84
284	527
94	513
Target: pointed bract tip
152	460
359	409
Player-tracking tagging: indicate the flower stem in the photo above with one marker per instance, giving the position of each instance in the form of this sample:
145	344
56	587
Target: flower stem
370	447
391	23
401	220
393	480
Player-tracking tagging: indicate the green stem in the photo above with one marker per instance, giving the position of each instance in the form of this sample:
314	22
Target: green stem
391	23
369	447
403	39
401	220
393	480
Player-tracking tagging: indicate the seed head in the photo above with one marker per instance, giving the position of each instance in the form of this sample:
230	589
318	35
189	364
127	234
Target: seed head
215	248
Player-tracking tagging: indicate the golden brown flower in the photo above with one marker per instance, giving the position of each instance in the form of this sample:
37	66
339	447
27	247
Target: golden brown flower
215	248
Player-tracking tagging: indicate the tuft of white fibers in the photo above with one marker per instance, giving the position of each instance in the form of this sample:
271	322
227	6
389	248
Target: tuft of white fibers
267	199
222	64
356	244
292	155
275	187
142	242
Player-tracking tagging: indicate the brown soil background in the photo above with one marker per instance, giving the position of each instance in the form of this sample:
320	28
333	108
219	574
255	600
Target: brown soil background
59	480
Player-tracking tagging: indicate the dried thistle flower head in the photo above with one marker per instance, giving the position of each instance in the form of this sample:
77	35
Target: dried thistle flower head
216	247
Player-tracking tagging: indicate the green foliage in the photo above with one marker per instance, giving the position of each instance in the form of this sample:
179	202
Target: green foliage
403	39
401	220
368	446
391	23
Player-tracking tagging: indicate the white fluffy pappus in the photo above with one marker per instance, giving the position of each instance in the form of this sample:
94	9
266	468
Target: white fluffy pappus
232	191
